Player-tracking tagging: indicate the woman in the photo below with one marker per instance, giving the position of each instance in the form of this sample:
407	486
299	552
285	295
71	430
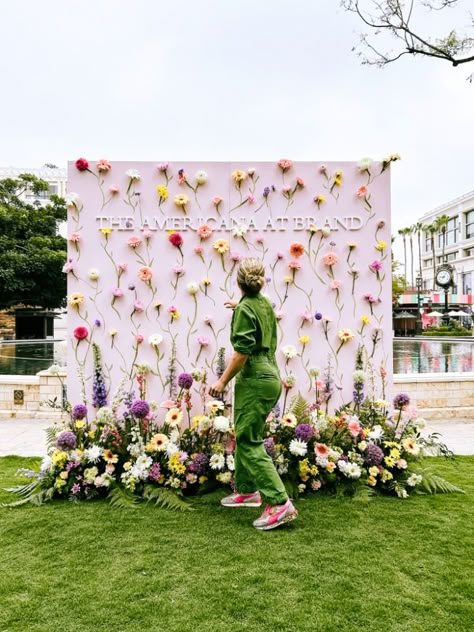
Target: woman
257	389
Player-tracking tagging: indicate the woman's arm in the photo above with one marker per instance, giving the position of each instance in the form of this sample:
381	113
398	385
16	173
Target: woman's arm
236	363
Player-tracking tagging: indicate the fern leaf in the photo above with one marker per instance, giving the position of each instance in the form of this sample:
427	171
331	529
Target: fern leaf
434	484
36	499
363	493
166	498
122	499
51	434
22	490
298	406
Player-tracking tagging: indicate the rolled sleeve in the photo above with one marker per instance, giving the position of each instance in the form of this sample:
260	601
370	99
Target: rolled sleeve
244	330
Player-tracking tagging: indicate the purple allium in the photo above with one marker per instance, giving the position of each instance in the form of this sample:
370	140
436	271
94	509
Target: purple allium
154	472
401	400
198	464
269	446
304	432
374	455
318	315
79	411
140	408
66	440
185	380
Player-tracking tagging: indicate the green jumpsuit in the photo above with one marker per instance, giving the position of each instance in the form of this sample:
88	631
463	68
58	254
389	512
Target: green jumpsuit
257	389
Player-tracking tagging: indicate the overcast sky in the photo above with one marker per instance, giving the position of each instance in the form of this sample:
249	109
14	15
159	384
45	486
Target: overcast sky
222	80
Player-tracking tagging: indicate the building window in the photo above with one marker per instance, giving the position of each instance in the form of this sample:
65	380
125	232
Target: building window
451	236
427	263
469	252
467	283
427	242
470	224
452	256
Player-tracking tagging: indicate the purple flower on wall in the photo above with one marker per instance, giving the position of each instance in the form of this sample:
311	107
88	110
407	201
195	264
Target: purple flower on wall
79	411
140	408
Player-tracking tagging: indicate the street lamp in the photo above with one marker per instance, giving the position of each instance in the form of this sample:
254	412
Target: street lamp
419	286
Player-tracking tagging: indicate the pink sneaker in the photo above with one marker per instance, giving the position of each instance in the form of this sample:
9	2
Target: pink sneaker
242	500
275	515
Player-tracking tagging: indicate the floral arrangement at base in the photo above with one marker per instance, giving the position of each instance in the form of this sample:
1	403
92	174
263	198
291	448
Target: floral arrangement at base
135	449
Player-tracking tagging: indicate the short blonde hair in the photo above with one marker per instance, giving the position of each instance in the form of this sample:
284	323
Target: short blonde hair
251	275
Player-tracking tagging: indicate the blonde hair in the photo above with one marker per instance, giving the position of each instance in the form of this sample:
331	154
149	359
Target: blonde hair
251	275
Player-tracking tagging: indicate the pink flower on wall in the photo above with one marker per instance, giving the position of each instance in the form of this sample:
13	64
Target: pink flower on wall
103	166
145	273
134	242
204	231
285	164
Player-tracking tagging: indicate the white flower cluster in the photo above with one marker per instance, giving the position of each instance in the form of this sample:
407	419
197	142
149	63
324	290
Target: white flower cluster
414	479
298	447
351	470
376	433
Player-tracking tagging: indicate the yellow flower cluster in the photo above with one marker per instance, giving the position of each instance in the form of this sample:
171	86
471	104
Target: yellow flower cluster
175	466
338	178
365	320
304	340
59	458
305	470
239	176
380	245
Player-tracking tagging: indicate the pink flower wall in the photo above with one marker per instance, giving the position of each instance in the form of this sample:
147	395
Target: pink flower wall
153	251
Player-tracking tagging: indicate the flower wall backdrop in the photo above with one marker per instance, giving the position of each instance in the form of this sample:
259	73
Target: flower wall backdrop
153	251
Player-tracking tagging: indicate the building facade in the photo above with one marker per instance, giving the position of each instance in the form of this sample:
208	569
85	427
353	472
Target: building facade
458	244
54	176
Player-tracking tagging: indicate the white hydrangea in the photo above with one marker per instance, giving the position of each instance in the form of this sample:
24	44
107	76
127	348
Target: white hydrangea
93	453
221	423
217	461
364	164
201	177
298	447
204	423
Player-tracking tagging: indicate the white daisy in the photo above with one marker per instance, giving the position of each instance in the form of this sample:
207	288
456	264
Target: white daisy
364	164
414	479
298	447
239	230
133	174
155	340
230	462
217	461
352	470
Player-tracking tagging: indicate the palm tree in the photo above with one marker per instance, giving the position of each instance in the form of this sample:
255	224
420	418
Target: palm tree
432	230
418	227
403	232
411	232
441	224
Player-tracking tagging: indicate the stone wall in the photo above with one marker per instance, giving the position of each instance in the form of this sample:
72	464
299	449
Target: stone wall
32	395
439	396
7	325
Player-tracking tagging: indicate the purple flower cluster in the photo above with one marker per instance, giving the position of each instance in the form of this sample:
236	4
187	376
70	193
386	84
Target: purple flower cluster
185	380
358	394
266	192
140	408
304	432
66	440
374	454
269	446
198	464
155	472
79	411
401	400
318	315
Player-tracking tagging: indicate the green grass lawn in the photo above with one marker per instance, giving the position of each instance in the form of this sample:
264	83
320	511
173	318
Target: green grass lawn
388	565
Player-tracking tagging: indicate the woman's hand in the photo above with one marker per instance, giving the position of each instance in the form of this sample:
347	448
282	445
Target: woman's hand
217	388
231	304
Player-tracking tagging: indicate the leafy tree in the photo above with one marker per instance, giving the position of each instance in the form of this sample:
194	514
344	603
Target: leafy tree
32	253
441	223
399	284
405	22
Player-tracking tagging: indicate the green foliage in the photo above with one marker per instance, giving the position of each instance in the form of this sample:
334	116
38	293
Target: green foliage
452	329
434	484
120	498
166	498
298	406
32	253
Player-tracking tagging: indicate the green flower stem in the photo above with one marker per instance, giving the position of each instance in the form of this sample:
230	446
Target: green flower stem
191	324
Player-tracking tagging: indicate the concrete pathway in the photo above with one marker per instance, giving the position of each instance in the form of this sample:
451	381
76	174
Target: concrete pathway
27	437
